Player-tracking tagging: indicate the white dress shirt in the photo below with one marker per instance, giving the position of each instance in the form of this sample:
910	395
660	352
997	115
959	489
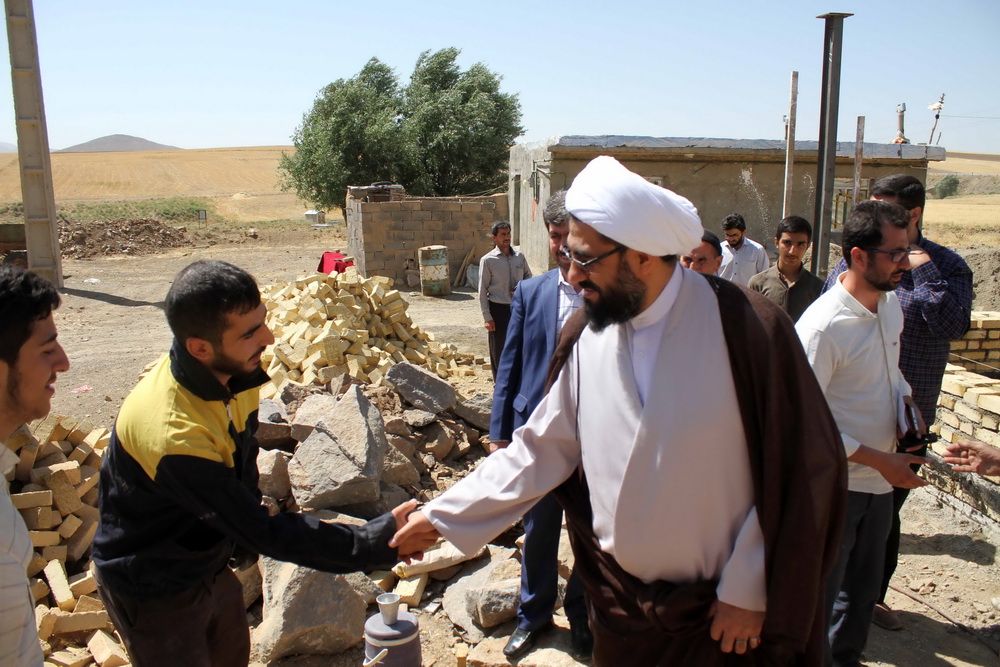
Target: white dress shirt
739	266
855	356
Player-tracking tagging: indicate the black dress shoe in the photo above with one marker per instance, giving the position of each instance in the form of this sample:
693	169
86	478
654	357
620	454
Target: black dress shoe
581	642
522	640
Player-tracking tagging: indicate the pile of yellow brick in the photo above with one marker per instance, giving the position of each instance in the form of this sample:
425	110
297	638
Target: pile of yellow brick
55	490
325	326
979	349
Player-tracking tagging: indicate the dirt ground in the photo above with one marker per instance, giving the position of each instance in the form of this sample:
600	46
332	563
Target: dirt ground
111	324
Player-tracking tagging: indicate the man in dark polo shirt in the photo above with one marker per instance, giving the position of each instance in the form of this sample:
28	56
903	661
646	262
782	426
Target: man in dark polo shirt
788	283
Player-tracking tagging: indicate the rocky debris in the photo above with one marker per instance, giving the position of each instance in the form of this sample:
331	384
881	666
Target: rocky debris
306	612
252	582
461	598
313	409
418	418
550	650
327	327
421	389
125	236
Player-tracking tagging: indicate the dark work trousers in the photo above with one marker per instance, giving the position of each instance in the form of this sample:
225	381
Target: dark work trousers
892	543
540	570
500	312
203	626
853	585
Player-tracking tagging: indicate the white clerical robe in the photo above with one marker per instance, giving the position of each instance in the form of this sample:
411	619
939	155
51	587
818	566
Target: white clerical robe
669	476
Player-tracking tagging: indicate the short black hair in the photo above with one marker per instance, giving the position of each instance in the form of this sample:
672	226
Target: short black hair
734	221
794	224
908	190
555	212
497	226
711	239
863	228
25	298
202	296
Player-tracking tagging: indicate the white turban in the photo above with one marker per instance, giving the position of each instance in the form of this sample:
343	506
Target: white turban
627	208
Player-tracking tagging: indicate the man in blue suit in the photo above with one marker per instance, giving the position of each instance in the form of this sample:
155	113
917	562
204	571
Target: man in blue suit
539	308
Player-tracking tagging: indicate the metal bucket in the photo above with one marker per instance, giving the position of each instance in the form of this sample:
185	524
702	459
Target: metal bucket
435	278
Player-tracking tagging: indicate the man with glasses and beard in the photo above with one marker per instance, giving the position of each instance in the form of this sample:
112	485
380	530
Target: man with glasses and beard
179	494
30	360
703	491
851	336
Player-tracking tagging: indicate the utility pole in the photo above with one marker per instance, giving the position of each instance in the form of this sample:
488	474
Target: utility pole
826	162
41	228
936	108
786	206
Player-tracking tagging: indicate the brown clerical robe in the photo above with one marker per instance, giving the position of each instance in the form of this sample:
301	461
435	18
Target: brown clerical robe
800	492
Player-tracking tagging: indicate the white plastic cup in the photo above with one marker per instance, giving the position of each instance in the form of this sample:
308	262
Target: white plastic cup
388	606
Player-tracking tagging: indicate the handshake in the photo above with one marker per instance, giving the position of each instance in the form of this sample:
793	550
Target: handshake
414	533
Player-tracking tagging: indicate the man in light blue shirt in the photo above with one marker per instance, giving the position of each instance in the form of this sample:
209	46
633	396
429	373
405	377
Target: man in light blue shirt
742	257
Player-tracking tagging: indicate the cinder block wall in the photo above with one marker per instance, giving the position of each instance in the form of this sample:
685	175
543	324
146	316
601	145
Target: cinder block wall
381	236
980	348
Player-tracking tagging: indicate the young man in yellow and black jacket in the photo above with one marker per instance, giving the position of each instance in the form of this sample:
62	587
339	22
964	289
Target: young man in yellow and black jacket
179	488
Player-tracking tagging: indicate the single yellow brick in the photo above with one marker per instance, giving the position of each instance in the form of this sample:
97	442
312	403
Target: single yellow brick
55	574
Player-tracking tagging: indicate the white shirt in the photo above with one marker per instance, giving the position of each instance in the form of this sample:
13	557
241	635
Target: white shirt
739	266
670	486
18	635
569	301
855	356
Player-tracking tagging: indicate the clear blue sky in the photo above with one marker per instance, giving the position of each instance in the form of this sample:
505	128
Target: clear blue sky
217	73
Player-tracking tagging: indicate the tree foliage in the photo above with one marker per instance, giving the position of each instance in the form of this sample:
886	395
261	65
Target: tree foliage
446	133
948	187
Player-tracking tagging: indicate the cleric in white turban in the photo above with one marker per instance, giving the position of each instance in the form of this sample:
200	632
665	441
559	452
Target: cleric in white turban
627	208
685	436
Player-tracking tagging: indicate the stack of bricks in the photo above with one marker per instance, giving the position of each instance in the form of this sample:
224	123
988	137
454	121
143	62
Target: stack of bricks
383	236
968	407
326	326
55	490
979	349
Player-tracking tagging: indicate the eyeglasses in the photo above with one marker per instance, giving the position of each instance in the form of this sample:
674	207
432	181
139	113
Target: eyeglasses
585	265
895	256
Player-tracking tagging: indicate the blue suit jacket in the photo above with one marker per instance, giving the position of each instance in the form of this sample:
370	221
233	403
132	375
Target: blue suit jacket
531	340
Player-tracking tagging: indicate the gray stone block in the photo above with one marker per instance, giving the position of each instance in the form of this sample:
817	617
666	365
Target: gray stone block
475	410
421	388
315	408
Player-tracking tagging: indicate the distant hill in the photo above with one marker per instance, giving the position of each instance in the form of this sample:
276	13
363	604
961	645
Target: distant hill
116	143
7	148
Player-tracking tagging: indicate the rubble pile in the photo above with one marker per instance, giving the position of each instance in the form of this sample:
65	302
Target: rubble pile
326	326
125	236
55	490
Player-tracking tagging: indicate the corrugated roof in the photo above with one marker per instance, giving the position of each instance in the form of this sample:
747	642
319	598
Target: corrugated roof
676	144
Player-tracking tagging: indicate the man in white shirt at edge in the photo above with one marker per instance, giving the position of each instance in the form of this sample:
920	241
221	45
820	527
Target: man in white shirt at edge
851	337
30	360
742	257
654	517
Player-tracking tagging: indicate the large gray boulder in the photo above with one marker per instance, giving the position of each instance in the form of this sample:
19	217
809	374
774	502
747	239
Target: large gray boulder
475	410
357	425
273	468
316	408
306	612
322	475
465	588
496	601
421	388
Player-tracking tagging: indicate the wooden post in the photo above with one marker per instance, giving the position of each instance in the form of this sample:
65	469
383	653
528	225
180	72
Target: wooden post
859	154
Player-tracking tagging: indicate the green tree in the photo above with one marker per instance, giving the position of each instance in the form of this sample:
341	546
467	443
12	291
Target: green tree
948	187
447	133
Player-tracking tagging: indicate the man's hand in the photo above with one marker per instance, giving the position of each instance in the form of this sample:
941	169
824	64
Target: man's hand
402	511
895	468
973	456
491	326
736	629
918	256
496	445
413	538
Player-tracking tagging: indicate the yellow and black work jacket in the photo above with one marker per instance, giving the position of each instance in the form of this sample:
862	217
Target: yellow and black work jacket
179	489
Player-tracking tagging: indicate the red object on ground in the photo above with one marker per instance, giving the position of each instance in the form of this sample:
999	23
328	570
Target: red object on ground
333	262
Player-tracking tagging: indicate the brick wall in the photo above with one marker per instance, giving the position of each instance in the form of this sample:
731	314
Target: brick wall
968	408
382	236
979	350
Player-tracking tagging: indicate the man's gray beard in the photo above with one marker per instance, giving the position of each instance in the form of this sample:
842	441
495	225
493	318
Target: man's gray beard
619	302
